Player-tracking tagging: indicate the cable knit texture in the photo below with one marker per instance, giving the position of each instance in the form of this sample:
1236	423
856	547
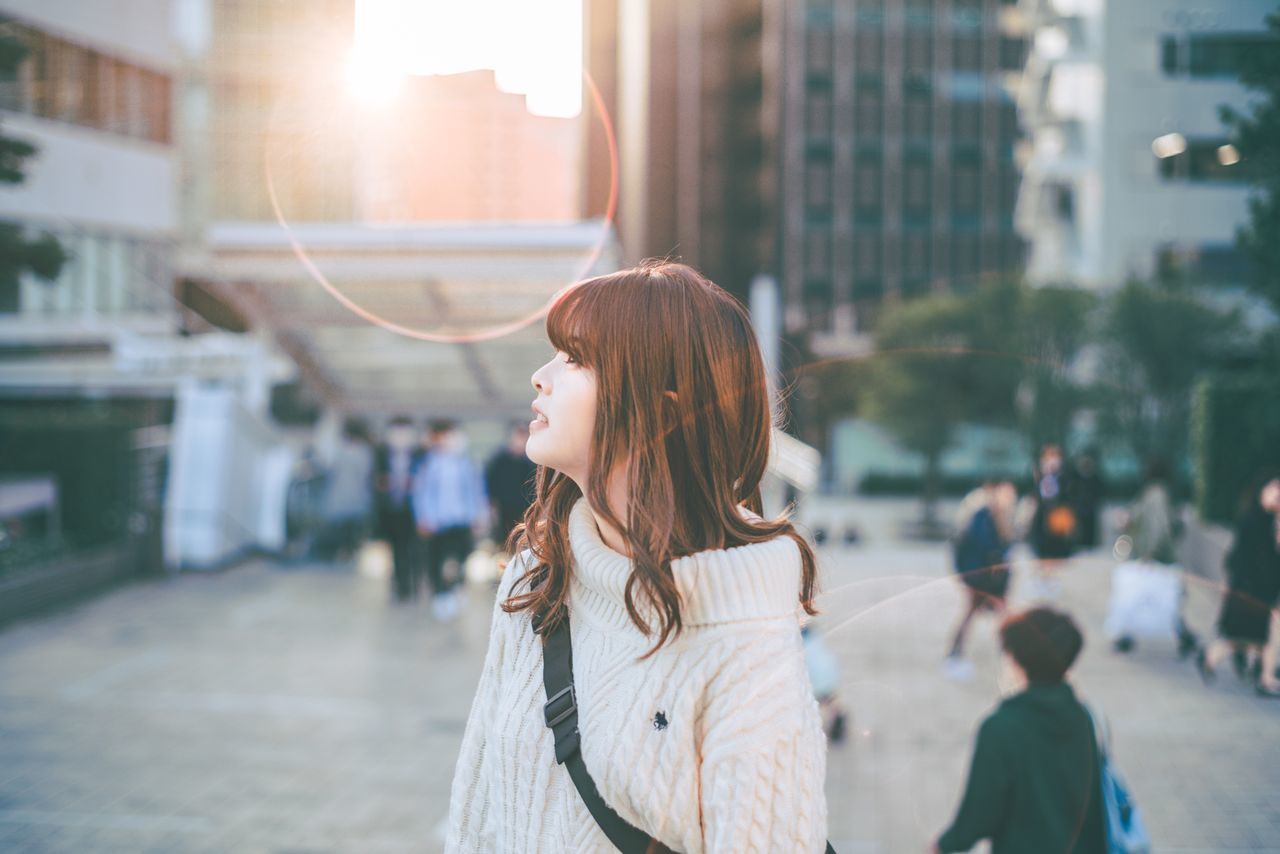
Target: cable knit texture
739	765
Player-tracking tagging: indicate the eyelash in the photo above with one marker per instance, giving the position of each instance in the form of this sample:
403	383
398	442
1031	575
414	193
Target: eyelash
569	360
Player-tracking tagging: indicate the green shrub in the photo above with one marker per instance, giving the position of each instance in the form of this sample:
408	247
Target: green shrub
1235	426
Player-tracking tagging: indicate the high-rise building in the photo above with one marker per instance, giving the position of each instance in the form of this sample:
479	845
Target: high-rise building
692	89
1129	165
898	172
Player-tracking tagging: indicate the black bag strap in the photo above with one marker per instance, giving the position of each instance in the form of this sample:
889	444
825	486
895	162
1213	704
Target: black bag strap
561	716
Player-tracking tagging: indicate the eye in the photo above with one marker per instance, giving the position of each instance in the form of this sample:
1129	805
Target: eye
569	360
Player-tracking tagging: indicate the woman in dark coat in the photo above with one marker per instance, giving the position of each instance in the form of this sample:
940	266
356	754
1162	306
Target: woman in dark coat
1253	578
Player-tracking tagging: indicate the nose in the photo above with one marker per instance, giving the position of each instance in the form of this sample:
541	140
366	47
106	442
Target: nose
539	383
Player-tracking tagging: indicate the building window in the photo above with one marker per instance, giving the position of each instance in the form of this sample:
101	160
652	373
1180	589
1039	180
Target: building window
1009	182
817	256
966	187
817	114
965	252
868	110
817	181
68	82
1205	161
866	256
1217	263
819	51
1213	54
918	49
866	187
915	187
818	295
819	13
1013	53
919	14
967	15
917	109
968	52
869	13
966	121
915	260
868	49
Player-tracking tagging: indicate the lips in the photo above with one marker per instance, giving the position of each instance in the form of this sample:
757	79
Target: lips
539	417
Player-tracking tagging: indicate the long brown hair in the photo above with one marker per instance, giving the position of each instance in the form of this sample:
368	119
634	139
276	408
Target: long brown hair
683	403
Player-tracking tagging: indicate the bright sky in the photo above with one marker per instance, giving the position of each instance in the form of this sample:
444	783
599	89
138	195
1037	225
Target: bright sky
533	48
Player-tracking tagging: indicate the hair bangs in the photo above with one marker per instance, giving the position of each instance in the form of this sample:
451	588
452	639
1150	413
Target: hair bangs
573	324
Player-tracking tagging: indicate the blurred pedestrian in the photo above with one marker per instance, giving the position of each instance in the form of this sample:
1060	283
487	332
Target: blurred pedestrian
1085	489
1253	586
981	556
303	505
1054	526
509	482
1151	530
1035	779
824	675
348	494
655	604
448	506
396	462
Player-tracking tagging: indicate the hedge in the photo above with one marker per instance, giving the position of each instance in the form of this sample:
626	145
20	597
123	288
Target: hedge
1235	435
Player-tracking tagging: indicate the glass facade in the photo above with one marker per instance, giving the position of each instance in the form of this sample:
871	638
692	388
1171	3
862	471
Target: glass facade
908	154
68	82
106	273
1213	54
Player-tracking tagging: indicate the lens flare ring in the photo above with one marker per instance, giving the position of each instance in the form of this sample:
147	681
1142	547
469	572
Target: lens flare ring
493	332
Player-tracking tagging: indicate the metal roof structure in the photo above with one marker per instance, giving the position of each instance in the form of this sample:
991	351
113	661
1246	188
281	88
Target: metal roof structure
456	282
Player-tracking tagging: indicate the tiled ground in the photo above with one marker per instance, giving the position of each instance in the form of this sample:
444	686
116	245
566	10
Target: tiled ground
295	709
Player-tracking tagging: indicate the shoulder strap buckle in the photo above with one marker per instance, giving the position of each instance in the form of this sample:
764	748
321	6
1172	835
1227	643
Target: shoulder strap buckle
560	707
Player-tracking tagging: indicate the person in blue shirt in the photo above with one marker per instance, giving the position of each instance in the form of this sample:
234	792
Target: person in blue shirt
449	504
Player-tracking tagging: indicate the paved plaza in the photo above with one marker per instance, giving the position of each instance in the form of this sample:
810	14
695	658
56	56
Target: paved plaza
296	710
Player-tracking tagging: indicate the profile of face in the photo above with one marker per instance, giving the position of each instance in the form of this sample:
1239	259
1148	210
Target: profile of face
1004	497
1269	497
564	417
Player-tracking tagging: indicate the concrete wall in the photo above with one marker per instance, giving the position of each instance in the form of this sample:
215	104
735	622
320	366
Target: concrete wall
138	30
89	178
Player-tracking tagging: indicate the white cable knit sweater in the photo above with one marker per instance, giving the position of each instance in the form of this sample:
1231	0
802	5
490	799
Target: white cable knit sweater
713	744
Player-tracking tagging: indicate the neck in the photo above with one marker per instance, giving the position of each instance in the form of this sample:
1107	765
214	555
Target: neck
616	493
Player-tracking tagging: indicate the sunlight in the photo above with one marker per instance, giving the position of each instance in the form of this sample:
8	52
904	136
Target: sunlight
534	50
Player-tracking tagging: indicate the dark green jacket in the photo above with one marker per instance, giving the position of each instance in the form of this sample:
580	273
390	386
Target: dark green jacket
1034	785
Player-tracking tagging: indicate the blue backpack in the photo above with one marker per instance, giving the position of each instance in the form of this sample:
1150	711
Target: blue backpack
1126	832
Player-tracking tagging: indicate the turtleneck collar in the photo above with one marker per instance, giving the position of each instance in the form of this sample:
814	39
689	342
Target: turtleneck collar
751	582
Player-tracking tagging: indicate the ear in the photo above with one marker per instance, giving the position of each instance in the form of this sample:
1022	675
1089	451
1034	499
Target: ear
672	396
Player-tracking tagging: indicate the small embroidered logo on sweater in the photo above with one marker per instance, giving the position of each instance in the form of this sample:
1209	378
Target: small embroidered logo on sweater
660	720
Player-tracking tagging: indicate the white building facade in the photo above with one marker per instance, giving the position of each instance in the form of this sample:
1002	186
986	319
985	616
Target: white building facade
1127	164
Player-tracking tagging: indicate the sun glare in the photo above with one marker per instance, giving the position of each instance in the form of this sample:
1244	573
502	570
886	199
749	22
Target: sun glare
534	49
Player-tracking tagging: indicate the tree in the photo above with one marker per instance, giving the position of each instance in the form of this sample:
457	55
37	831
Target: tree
1053	328
1256	135
941	361
43	256
1158	338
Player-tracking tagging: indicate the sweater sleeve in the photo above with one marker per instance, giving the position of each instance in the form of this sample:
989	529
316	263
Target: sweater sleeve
469	799
986	795
763	763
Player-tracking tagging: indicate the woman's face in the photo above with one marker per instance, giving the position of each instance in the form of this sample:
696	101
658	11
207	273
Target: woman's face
1269	498
565	416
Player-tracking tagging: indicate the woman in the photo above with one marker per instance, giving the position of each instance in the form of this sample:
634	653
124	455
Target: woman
695	717
982	561
1253	575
